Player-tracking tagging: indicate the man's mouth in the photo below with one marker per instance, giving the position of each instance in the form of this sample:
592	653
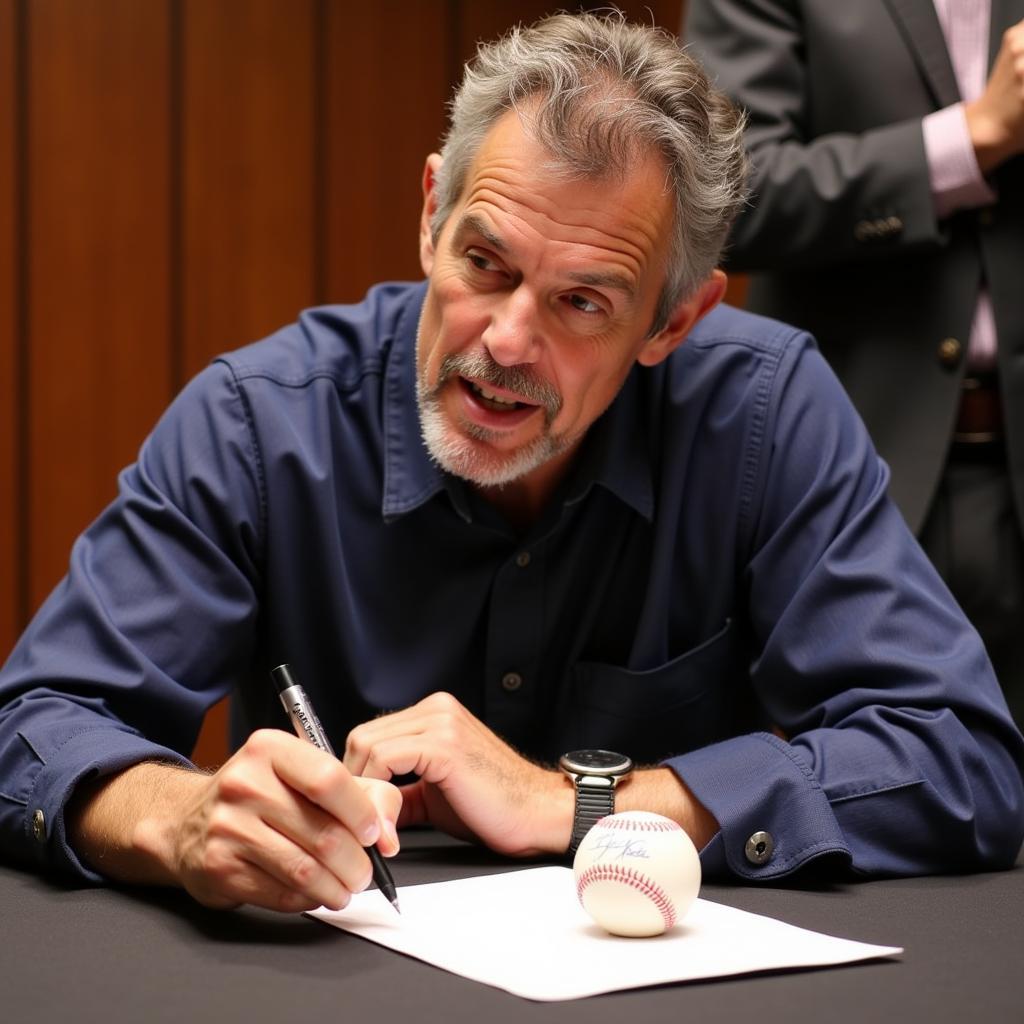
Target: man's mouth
492	400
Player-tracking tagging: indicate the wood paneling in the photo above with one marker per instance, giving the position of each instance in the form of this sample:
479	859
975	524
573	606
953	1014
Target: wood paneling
480	22
98	229
10	564
250	71
388	76
249	186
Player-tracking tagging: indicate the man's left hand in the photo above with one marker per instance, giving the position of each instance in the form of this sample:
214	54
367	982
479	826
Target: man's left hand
471	783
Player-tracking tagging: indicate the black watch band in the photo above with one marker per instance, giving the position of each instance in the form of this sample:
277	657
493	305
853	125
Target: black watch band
595	799
595	774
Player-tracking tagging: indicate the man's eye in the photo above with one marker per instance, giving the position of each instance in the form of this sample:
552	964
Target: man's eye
480	261
583	304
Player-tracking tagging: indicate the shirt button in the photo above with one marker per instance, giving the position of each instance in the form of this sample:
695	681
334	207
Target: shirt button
511	681
523	559
39	826
949	353
760	847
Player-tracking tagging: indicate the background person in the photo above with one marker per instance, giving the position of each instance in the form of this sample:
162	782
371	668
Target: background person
887	217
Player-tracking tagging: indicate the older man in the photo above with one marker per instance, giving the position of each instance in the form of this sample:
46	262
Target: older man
508	515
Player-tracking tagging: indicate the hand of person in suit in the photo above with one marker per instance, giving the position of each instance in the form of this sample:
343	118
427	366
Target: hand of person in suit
996	119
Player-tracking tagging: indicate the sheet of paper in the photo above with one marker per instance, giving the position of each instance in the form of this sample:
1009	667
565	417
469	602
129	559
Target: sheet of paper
525	932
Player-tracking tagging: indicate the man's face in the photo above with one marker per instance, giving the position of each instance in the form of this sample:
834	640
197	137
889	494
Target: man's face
541	294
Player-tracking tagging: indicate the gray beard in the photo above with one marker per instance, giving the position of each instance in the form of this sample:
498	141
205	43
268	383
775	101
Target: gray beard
464	455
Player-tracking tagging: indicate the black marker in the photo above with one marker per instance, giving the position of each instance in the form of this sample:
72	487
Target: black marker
307	725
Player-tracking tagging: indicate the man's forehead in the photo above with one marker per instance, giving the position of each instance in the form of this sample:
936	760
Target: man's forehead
514	175
470	226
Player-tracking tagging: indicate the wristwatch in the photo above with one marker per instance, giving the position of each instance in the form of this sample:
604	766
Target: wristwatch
595	774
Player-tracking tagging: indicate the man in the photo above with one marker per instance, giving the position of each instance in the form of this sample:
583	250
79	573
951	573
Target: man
887	218
505	515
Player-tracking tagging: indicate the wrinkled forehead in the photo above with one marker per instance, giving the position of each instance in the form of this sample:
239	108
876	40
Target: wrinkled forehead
612	225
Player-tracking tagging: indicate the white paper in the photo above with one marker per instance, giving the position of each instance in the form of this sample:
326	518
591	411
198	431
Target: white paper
525	932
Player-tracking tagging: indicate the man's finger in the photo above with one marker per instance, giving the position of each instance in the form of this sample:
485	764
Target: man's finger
324	781
295	869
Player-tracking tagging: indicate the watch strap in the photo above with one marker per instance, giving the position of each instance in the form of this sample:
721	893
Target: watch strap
595	799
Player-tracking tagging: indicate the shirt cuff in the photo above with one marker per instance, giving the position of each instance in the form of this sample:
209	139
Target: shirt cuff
956	180
90	754
773	815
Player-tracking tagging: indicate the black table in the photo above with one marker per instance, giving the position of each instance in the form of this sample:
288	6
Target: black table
149	956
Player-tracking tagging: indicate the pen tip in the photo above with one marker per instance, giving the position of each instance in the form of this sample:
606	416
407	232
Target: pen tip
394	903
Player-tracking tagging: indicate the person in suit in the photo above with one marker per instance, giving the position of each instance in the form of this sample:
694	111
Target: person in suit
887	217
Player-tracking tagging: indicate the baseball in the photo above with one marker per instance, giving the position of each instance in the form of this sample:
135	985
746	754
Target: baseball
636	873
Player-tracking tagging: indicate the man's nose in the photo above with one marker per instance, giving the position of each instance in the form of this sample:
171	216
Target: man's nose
513	335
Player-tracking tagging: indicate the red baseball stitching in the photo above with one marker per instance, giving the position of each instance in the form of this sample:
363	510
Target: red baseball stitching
639	824
632	878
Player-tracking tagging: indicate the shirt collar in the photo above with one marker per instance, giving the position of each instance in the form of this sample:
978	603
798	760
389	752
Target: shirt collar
411	477
615	454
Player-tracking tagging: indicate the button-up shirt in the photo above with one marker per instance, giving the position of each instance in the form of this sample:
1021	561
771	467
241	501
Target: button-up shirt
721	584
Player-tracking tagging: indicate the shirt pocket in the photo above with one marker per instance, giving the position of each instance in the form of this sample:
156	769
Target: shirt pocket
686	703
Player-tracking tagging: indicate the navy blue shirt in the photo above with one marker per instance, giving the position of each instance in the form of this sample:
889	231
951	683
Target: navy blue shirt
721	569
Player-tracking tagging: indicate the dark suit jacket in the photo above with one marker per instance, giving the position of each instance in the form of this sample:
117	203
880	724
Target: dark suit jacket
842	231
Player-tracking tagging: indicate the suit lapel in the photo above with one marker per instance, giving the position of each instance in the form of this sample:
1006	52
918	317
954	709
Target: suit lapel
922	33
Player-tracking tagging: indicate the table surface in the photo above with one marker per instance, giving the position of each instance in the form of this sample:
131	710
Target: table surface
144	955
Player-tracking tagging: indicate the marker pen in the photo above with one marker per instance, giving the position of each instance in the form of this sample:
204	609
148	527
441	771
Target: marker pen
300	710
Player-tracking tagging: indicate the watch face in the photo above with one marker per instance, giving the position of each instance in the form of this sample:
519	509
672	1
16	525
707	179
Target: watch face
600	762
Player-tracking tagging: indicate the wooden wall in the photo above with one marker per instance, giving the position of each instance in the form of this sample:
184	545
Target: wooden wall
179	177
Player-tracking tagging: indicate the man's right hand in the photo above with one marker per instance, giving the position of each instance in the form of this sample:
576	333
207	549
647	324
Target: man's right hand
281	825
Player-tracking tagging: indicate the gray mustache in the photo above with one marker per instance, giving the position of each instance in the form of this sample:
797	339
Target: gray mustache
482	368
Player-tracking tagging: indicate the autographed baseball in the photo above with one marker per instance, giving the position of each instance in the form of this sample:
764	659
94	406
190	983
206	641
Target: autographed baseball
636	873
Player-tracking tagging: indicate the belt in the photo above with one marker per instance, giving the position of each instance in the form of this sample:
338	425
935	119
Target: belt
980	417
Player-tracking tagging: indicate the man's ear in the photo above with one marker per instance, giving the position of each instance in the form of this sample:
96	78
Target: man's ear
430	170
684	316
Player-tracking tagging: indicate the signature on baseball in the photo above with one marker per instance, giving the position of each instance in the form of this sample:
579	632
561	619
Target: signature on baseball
618	847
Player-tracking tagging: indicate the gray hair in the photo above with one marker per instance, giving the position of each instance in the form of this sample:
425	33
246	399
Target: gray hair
602	90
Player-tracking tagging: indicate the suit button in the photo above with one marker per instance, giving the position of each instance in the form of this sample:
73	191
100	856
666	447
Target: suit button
986	218
759	848
949	353
511	681
39	826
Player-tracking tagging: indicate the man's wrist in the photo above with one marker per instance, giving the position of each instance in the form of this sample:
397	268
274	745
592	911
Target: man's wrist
661	791
993	142
658	790
554	826
124	826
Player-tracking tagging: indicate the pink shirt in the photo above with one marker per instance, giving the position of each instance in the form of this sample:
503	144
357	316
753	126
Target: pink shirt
956	180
